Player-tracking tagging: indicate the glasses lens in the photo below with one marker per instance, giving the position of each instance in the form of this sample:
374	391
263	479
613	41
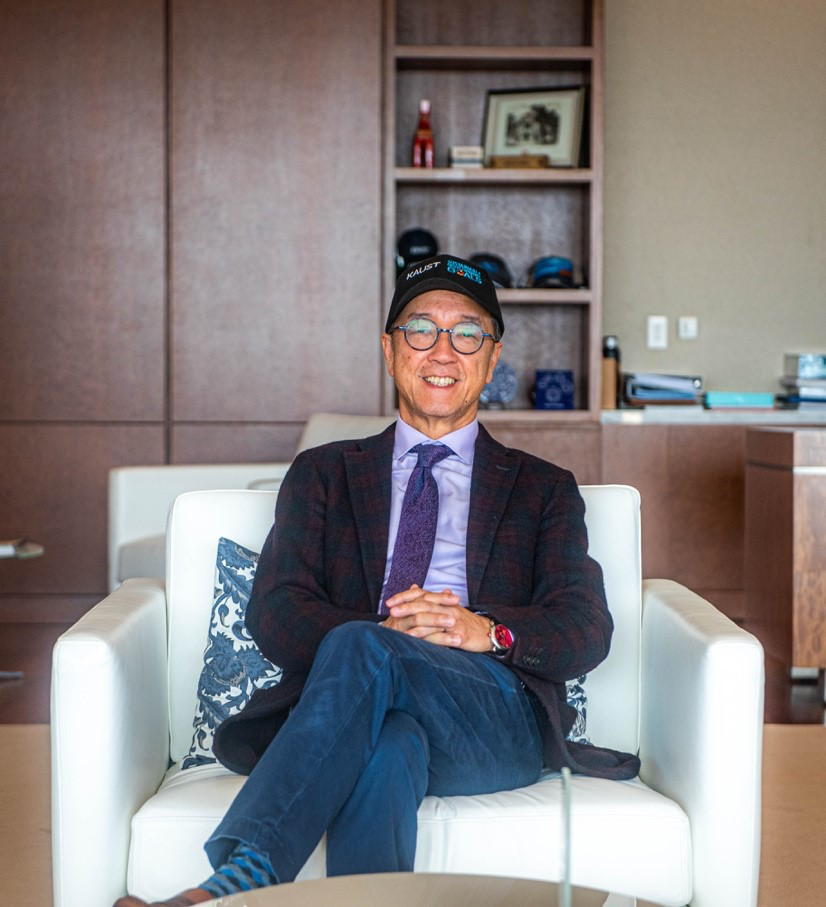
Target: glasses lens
420	333
467	337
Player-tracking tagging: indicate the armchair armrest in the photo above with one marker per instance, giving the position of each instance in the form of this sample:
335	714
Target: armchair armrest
701	735
110	738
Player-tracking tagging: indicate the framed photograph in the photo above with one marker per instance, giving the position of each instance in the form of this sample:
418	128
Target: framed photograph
541	121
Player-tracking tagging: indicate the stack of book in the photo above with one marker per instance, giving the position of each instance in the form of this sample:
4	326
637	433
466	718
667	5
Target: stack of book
804	381
651	388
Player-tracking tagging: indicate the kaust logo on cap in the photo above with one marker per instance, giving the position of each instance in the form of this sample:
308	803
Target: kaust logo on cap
445	272
416	272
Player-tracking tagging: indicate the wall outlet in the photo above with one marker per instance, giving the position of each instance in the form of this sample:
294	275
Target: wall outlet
657	332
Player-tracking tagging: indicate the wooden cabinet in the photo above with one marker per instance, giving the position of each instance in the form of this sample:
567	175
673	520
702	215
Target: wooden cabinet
575	446
785	553
690	479
453	54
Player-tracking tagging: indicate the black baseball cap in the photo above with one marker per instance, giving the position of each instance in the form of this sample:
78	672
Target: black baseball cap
445	272
414	245
495	266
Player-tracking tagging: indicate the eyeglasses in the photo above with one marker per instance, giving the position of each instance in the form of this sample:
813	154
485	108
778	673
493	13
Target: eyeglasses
466	337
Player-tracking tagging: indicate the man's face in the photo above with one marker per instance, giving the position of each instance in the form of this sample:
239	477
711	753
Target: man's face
439	388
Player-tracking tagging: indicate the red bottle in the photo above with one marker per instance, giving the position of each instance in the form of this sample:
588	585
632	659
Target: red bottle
423	140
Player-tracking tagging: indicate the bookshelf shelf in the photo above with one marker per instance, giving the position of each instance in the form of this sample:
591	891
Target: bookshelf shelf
487	176
545	297
485	56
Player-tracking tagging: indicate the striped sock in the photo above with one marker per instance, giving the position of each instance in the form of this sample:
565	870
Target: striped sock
245	868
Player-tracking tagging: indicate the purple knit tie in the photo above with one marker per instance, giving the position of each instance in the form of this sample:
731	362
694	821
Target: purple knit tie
416	535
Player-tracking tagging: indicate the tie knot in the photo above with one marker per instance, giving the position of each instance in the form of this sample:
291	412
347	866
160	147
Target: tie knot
431	454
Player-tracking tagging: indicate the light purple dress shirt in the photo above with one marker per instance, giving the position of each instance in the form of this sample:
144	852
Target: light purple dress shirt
448	567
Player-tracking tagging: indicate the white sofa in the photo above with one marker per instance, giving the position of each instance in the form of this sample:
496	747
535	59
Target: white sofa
139	497
682	684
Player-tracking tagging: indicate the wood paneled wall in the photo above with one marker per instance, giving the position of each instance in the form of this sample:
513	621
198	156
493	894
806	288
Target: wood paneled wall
190	200
275	206
82	213
189	251
82	280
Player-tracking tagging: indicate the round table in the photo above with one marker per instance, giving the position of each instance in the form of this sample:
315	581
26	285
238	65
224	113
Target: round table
408	889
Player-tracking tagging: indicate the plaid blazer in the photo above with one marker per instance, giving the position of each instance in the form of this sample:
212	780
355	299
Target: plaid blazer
527	566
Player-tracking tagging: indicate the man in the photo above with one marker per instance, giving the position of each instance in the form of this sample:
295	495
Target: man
411	665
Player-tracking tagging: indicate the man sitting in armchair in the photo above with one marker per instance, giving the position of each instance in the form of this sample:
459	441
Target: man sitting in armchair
427	592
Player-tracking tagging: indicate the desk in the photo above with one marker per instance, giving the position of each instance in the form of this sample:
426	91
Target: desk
785	543
408	889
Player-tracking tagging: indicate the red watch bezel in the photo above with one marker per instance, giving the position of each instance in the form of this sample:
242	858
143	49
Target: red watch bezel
503	636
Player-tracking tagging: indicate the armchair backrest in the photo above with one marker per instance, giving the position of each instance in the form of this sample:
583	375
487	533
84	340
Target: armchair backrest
324	427
199	518
612	517
139	498
196	522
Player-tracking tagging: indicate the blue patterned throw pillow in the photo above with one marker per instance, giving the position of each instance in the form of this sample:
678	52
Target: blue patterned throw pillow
233	665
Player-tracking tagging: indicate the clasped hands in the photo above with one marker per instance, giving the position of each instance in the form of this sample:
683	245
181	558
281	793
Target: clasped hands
438	617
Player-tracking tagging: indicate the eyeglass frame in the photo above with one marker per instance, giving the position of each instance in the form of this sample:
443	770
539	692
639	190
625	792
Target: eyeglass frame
448	331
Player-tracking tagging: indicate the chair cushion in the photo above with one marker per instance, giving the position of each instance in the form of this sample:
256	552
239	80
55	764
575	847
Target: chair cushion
626	837
233	664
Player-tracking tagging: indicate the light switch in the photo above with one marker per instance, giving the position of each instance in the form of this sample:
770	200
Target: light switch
657	332
688	327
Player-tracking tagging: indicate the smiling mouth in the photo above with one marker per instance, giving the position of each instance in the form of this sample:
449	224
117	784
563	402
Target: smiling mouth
440	380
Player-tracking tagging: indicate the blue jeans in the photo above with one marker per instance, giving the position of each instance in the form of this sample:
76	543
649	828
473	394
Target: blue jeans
383	720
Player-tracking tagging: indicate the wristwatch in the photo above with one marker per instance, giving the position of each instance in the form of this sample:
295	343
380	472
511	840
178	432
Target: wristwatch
501	638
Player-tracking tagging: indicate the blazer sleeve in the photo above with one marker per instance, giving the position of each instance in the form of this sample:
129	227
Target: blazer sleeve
547	590
292	607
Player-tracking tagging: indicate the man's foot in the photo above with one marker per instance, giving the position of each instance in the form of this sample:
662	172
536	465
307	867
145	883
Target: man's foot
184	899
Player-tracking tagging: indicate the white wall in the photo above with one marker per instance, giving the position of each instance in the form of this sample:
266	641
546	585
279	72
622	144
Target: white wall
715	183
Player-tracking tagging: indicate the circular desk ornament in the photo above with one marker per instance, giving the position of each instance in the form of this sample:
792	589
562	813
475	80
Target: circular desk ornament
502	388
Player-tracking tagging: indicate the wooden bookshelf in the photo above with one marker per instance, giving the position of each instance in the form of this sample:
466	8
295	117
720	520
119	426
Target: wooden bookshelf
518	214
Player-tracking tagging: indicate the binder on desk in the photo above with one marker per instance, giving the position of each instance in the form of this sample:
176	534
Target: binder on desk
641	388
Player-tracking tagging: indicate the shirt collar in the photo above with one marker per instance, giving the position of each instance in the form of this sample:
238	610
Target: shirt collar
462	441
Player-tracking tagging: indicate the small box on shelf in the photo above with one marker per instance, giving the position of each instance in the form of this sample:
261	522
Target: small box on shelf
466	157
554	389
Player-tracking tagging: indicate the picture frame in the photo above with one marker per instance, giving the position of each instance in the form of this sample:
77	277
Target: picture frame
538	121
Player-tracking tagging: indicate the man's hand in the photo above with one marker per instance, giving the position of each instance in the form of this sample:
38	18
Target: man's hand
438	618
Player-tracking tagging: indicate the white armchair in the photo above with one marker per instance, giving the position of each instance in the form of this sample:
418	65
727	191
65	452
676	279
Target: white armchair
139	497
682	684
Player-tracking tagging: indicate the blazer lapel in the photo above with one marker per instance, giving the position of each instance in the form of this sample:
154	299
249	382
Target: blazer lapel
368	482
494	474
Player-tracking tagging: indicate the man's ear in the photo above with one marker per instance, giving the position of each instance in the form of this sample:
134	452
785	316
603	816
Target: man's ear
494	358
387	349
